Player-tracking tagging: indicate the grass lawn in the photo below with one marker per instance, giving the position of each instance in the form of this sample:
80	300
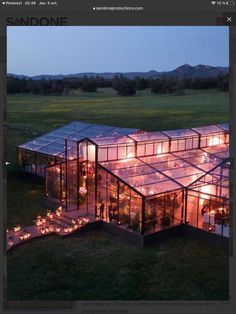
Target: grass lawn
144	110
98	265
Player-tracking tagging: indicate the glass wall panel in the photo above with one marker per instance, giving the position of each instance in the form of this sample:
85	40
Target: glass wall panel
149	149
165	148
112	153
227	138
91	151
212	139
121	152
73	187
163	211
181	144
174	146
140	150
124	205
107	195
53	182
130	151
135	212
208	212
102	154
26	160
72	150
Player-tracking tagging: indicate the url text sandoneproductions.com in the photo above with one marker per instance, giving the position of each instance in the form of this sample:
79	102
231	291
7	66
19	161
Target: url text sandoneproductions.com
120	8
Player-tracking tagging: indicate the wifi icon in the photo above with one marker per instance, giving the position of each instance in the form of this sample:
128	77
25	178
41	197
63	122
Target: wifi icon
213	2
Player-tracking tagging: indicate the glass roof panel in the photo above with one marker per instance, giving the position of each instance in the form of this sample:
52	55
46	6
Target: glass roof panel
51	150
77	126
224	126
204	130
156	188
149	136
149	178
124	163
221	151
120	131
76	130
138	174
104	141
183	171
164	162
133	171
200	159
180	133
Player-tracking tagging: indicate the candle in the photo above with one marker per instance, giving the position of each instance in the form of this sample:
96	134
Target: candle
17	228
10	243
43	231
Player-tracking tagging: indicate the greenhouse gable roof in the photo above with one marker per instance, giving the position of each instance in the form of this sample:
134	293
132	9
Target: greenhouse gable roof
167	172
53	143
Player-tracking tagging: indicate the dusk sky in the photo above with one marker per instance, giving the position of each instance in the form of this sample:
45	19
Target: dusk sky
67	50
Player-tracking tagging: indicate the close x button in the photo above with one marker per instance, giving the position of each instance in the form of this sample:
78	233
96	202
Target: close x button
224	20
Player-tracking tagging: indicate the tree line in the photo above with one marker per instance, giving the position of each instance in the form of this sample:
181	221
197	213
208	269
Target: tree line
122	85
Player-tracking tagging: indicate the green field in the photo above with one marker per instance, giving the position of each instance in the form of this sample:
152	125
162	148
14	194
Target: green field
145	110
88	267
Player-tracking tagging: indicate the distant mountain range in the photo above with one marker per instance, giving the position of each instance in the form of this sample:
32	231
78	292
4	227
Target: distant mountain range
184	71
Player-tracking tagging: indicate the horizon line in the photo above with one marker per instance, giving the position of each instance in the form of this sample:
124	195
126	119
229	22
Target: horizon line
221	66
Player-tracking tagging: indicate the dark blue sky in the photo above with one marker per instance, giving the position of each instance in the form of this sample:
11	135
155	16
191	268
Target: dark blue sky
67	50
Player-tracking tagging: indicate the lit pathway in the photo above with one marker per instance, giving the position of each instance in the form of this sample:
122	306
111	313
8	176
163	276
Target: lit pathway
59	222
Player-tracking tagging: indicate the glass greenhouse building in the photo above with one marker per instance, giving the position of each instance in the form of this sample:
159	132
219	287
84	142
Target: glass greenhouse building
145	181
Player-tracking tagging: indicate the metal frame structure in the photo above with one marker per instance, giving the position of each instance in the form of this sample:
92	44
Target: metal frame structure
160	171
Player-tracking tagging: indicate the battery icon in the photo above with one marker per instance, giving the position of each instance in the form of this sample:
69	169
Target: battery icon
230	3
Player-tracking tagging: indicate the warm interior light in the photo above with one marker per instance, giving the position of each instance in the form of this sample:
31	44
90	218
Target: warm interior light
49	214
17	228
215	141
205	189
159	149
129	155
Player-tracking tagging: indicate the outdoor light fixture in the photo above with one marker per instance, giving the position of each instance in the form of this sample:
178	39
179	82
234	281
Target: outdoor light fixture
58	211
17	228
10	243
24	236
187	221
85	220
210	229
51	228
49	214
40	221
47	230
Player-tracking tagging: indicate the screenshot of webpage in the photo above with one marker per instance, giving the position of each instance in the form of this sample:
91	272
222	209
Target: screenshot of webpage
117	156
